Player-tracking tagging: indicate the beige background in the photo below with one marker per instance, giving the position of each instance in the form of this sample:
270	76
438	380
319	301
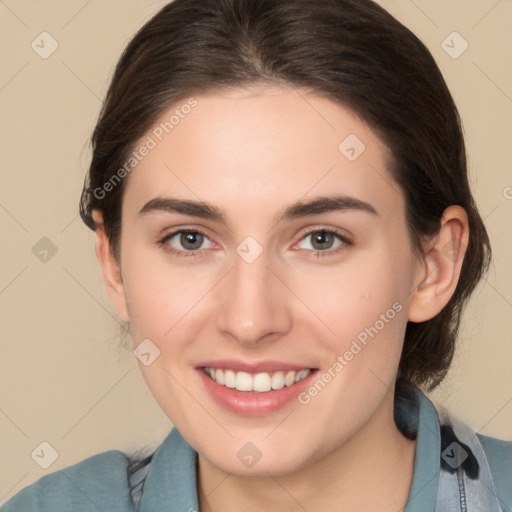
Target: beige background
65	378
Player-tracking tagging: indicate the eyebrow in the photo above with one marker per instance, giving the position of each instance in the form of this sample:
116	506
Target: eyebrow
297	210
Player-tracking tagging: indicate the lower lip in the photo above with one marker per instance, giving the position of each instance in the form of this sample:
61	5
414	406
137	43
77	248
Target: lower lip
253	403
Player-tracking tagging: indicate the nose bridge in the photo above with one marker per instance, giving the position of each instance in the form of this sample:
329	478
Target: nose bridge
253	303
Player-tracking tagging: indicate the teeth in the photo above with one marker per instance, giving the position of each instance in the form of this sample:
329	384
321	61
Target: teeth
261	382
243	381
229	379
290	378
219	376
277	381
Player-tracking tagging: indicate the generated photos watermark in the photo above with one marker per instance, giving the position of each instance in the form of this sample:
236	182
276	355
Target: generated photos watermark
342	360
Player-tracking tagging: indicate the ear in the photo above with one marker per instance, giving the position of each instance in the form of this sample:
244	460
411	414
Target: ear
442	263
110	267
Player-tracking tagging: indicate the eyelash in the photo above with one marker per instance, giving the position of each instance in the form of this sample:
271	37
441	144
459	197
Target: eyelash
315	253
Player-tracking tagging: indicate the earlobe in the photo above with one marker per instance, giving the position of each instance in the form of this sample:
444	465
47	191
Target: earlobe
442	263
110	268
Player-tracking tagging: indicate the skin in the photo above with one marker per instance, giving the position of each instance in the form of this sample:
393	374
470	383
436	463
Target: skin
251	153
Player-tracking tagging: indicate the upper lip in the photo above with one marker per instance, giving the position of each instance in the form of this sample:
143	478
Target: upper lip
253	367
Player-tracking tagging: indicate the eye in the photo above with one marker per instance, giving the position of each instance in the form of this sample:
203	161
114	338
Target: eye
185	242
325	240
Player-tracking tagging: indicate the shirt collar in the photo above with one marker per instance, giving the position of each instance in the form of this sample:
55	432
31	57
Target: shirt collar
171	481
425	483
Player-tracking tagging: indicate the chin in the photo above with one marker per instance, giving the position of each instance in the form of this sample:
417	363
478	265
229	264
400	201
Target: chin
279	464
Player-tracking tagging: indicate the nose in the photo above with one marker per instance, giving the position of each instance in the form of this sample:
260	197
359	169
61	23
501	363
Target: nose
253	304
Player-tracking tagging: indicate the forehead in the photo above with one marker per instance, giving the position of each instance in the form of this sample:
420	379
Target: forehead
259	147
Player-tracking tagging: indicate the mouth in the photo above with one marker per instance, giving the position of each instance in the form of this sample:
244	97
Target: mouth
254	388
262	382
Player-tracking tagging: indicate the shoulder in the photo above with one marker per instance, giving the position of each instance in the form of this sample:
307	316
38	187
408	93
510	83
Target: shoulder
483	453
498	451
96	483
499	456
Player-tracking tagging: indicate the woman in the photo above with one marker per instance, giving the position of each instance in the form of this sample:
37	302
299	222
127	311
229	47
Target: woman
282	213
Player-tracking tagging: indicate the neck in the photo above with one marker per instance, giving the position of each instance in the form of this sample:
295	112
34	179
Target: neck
371	471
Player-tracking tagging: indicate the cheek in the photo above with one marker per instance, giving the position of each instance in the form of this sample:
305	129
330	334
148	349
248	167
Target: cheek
159	295
170	305
363	311
167	318
163	304
352	297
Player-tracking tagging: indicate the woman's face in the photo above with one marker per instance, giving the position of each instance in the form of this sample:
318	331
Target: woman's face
279	281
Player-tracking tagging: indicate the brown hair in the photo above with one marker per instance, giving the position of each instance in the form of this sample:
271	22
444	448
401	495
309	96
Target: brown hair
351	51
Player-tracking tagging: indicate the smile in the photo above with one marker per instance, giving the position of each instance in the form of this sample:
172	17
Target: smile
260	382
